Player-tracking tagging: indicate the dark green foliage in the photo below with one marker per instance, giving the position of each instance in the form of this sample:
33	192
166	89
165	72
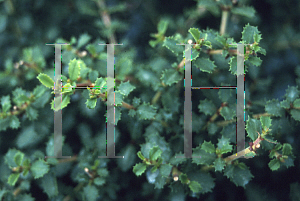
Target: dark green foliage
149	91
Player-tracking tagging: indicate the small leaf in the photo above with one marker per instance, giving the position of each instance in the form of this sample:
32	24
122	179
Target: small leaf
273	107
39	168
274	164
195	33
155	153
195	186
31	113
205	65
170	43
146	111
287	149
266	122
91	103
256	61
171	76
5	102
125	88
101	84
140	155
61	105
18	158
219	164
45	80
183	178
252	127
13	178
208	147
74	69
233	65
14	122
139	168
201	157
240	175
118	98
248	33
227	113
224	145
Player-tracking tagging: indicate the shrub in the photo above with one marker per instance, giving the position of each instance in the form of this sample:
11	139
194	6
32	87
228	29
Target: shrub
149	105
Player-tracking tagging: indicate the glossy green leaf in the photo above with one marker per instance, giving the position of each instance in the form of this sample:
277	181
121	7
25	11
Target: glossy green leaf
14	122
18	158
155	153
45	80
201	157
240	175
273	107
224	145
195	33
183	178
146	111
219	164
248	33
233	65
118	98
170	43
74	69
125	88
171	76
256	61
266	122
5	102
13	178
91	103
139	169
39	168
205	65
252	127
195	186
31	113
61	105
227	113
287	149
274	164
208	147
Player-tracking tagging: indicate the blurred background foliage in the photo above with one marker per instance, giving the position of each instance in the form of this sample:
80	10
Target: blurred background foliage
33	23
